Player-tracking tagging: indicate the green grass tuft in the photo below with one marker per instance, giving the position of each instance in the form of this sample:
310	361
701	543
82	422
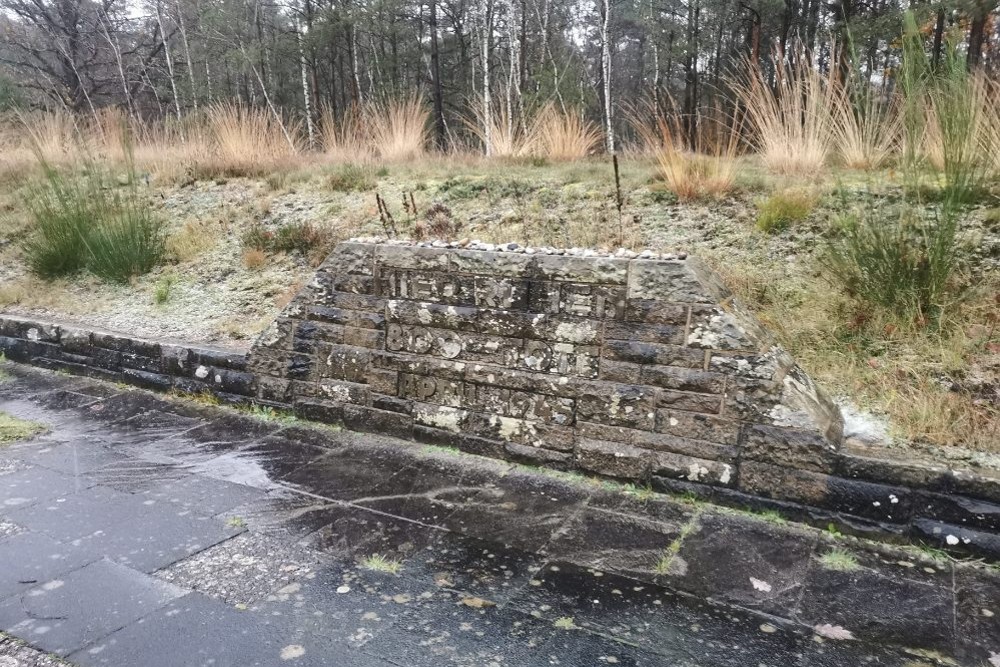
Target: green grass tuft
379	563
161	293
85	221
351	178
13	429
840	560
783	209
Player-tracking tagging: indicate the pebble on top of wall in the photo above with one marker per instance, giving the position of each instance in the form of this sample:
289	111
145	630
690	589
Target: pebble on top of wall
622	365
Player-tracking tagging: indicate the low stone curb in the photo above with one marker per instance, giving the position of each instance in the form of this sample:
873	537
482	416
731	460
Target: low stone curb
953	509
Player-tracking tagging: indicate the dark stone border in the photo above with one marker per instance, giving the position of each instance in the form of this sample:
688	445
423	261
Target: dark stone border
954	509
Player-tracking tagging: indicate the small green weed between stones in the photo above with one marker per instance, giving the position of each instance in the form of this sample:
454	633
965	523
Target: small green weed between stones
268	414
161	294
839	560
379	563
13	429
236	522
4	375
565	623
665	564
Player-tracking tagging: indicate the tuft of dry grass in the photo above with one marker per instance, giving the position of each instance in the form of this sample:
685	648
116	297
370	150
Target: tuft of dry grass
398	128
866	131
193	238
791	121
988	92
506	135
254	258
251	141
560	136
708	171
347	139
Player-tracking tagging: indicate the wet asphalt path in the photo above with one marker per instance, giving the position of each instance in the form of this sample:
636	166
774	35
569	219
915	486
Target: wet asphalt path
146	531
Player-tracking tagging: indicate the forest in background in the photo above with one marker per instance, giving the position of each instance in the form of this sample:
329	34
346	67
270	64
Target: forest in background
475	63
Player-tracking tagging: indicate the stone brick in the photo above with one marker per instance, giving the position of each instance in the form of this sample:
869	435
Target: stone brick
701	449
958	510
459	318
538	456
30	330
236	361
382	381
651	311
698	426
983	544
466	443
358	337
639	352
618	371
146	380
273	390
340	316
351	259
690	401
141	363
667	334
672	281
788	446
126	345
876	502
617	404
411	257
613	459
76	340
684	379
701	471
328	412
392	404
383	422
343	362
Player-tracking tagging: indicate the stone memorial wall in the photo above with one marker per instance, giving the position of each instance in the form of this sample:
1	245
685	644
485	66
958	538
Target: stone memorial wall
633	367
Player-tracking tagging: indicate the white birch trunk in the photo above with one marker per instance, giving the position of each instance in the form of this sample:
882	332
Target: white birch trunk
487	29
170	63
187	53
310	131
606	69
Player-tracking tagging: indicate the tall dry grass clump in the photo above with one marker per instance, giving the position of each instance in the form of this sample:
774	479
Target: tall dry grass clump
791	121
501	131
705	170
347	139
250	140
398	128
989	125
563	135
866	130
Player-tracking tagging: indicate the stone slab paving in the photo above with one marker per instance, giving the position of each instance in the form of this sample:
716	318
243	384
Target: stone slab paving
150	531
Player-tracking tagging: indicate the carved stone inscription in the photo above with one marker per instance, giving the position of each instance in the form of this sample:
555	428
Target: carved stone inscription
627	367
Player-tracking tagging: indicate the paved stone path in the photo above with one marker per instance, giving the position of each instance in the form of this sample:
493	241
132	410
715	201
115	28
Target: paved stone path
146	531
